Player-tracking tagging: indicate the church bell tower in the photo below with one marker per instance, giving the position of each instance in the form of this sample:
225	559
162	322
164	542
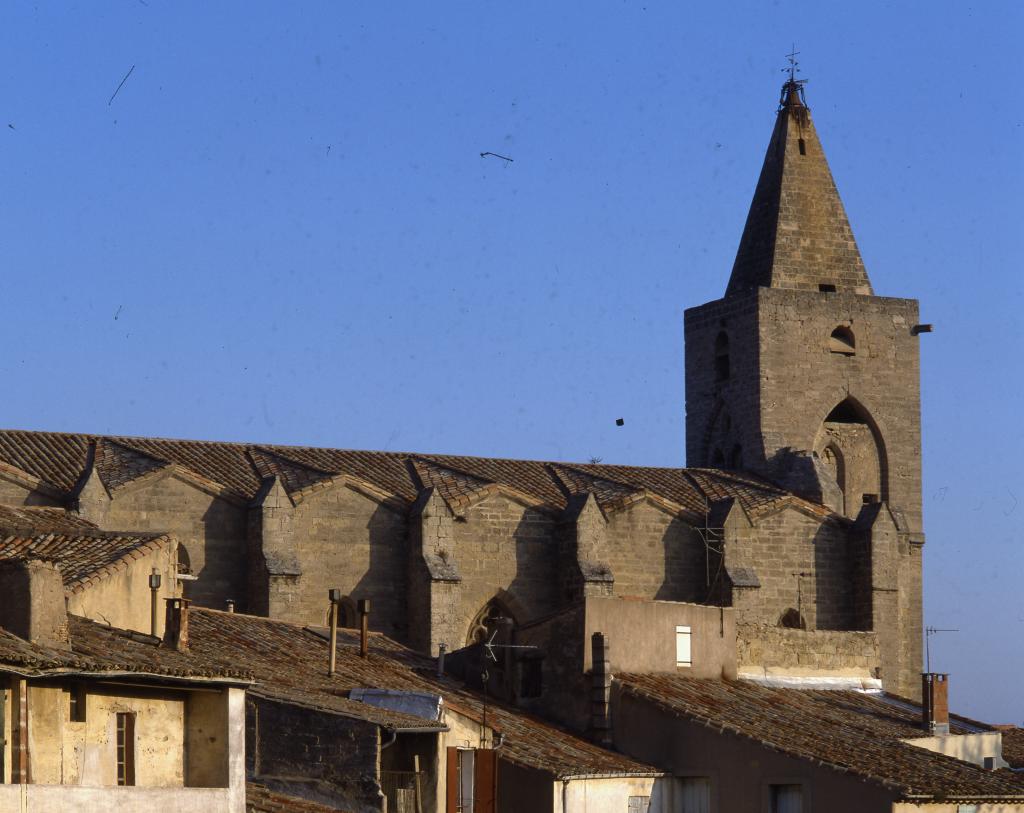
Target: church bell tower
800	372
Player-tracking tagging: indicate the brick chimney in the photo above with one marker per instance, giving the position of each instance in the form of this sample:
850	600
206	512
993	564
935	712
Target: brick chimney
600	690
935	702
33	605
176	624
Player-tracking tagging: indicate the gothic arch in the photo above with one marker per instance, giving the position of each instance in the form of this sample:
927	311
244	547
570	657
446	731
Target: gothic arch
486	621
717	436
849	434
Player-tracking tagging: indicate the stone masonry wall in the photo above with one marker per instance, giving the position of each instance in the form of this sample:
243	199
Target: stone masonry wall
313	754
211	533
345	539
15	495
802	381
722	412
501	545
789	543
760	646
655	555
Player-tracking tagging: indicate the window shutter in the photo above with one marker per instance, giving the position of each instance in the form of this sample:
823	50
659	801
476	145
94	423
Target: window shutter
486	781
452	782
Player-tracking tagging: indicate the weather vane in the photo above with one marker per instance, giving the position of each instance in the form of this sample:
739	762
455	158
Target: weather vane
793	69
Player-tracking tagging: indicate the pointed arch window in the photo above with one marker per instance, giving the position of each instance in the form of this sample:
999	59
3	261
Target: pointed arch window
722	357
842	341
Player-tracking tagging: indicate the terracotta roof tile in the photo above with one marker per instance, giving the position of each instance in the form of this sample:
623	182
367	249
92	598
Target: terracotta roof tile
61	459
289	664
850	731
99	648
83	552
260	799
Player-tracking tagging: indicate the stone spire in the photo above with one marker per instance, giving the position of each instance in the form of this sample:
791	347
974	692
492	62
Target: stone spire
797	234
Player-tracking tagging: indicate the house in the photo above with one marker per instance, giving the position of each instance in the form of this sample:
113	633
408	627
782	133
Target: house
100	718
386	721
741	745
107	575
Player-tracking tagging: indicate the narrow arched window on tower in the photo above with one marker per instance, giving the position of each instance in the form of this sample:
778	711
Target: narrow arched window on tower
722	357
736	457
842	341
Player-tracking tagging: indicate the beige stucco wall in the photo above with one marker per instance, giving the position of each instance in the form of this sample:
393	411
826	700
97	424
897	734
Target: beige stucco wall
52	798
642	636
907	807
67	753
74	765
967	747
122	599
611	795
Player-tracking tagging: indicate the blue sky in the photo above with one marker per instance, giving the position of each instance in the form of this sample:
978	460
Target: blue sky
281	230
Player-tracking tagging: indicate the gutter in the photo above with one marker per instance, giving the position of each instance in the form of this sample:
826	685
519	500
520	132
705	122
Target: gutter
118	674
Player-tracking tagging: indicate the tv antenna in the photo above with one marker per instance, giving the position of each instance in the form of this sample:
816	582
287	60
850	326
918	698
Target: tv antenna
928	633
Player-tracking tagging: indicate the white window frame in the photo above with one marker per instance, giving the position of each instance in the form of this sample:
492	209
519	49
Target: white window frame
684	645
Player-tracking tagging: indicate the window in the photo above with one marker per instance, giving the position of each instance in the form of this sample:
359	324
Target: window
77	703
683	656
736	457
791	619
786	798
471	780
639	804
125	748
466	776
826	288
531	677
722	357
842	341
696	794
802	145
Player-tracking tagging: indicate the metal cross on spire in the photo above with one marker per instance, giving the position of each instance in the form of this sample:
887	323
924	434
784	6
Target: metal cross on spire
793	69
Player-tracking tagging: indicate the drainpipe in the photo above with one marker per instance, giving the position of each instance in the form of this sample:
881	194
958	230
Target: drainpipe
334	594
600	690
154	601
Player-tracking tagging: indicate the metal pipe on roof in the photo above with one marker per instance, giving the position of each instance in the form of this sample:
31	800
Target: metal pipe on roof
334	594
154	601
364	626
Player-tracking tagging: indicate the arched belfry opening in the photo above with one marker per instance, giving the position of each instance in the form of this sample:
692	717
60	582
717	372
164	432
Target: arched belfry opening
851	447
842	342
722	370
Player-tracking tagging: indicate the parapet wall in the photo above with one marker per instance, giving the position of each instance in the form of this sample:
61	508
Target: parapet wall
806	653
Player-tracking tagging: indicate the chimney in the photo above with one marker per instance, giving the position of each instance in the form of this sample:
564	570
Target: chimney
364	626
154	601
33	605
600	690
176	624
229	605
935	703
335	595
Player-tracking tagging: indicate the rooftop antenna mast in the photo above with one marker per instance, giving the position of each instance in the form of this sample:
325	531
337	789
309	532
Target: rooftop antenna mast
928	633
